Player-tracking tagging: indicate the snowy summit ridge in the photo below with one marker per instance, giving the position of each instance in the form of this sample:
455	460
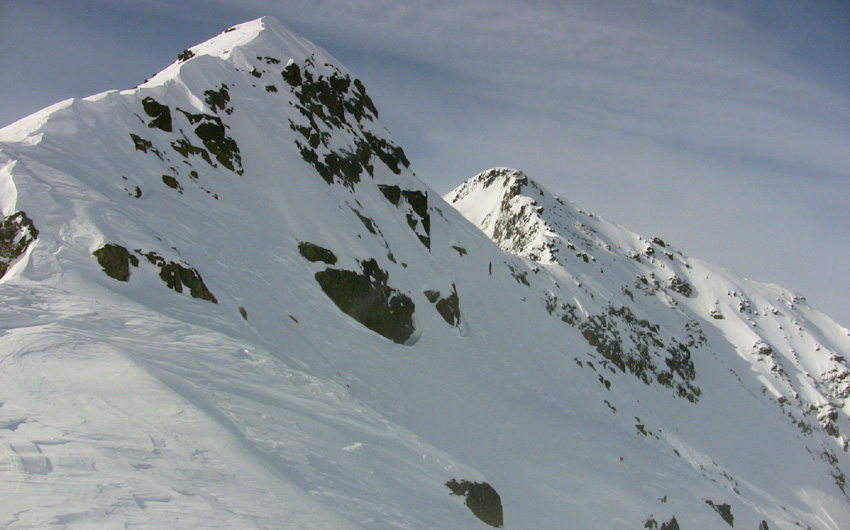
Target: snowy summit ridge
226	301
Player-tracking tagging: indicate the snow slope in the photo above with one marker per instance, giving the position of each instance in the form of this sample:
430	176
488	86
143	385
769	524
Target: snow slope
228	302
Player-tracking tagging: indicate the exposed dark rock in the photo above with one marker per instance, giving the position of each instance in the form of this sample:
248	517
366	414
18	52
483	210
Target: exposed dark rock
332	101
176	276
672	524
160	113
680	286
314	253
292	75
724	510
144	145
224	148
432	295
481	499
185	55
390	154
218	99
17	232
368	299
449	308
392	193
636	345
185	148
418	202
519	276
212	132
171	182
368	222
116	261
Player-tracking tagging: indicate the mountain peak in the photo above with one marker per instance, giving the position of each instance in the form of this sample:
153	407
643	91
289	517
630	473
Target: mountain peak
242	44
226	301
508	206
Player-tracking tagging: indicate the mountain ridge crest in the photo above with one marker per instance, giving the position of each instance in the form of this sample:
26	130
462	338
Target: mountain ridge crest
229	302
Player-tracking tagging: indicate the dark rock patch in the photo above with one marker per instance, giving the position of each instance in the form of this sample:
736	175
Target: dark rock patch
724	510
680	286
185	55
418	214
292	75
160	113
185	148
368	222
224	148
116	261
432	295
449	308
17	232
177	276
334	100
392	193
368	299
672	524
172	183
481	499
312	252
218	99
212	132
144	145
632	344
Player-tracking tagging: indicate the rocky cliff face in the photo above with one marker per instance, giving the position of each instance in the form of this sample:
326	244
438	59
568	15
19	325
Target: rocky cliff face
527	220
228	302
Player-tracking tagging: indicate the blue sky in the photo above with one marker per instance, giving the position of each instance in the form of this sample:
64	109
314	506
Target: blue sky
722	126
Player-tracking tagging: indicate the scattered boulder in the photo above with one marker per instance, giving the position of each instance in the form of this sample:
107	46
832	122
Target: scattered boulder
116	261
481	499
313	253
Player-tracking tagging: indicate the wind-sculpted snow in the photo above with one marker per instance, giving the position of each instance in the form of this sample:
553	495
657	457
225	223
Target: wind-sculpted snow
228	302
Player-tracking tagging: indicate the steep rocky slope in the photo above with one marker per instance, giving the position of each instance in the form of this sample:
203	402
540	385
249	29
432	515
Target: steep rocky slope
227	302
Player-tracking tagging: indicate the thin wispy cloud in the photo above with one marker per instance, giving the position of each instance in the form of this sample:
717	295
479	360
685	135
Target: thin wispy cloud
719	125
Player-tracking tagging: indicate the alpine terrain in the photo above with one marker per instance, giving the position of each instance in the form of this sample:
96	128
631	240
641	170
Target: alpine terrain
228	302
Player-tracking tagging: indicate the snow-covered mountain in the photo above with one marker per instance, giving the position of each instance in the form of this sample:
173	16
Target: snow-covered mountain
227	302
